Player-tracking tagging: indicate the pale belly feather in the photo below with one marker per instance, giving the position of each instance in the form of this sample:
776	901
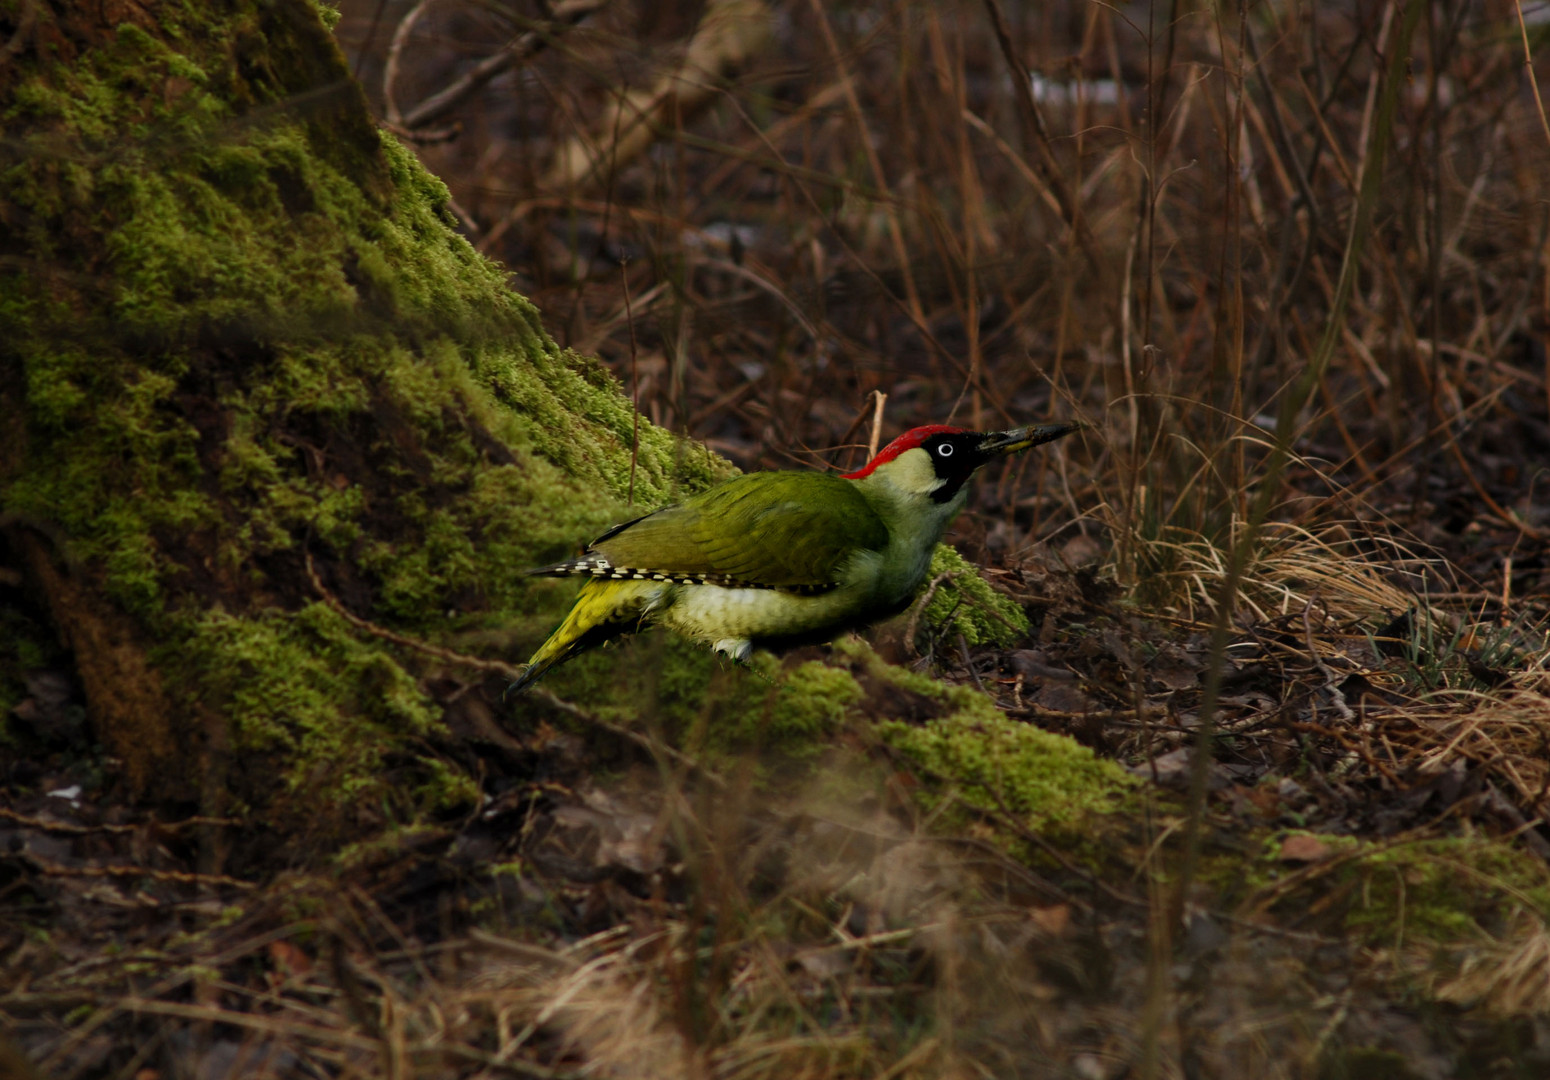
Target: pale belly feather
713	612
731	619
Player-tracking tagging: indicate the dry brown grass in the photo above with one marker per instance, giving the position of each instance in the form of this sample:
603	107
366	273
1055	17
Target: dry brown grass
881	951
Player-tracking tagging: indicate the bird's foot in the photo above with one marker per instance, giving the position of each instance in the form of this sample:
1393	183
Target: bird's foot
735	649
740	652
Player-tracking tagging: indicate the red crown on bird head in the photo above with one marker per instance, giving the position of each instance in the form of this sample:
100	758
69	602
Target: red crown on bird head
908	441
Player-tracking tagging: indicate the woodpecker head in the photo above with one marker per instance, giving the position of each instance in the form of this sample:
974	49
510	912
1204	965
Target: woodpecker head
937	460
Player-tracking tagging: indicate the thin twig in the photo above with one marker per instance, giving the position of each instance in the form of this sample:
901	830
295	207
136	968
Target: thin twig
968	661
1033	119
65	827
920	606
1528	66
877	425
1331	682
134	870
874	163
567	13
390	65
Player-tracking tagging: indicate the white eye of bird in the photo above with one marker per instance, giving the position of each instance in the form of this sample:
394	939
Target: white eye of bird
946	450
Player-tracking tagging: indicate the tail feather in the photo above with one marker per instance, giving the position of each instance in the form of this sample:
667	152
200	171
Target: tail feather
604	609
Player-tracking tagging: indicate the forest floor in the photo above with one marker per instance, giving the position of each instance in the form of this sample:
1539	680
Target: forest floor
837	223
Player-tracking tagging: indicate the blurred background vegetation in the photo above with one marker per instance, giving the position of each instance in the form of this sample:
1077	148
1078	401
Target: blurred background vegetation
1195	227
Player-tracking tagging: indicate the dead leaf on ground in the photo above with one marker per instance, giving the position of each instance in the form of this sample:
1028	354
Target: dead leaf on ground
1304	848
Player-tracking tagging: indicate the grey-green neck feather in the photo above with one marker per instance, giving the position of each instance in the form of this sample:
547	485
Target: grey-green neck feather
900	494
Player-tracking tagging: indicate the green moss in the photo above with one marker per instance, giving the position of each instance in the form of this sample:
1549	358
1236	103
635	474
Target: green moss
443	788
811	701
1436	891
1450	889
984	759
709	706
328	13
791	712
382	848
302	693
968	605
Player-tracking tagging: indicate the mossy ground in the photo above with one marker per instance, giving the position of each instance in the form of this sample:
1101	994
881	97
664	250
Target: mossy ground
965	603
1427	892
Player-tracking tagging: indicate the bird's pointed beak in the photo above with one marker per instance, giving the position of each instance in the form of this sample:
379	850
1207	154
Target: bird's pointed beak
1001	443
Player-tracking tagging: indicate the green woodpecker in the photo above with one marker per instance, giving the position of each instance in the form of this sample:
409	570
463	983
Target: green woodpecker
780	558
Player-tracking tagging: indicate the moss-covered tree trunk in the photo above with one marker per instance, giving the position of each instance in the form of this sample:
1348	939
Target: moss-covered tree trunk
239	335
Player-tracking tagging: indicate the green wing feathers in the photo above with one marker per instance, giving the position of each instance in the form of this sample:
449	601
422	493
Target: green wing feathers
763	530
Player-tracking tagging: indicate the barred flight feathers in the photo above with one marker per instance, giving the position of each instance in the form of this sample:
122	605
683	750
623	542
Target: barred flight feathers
597	567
